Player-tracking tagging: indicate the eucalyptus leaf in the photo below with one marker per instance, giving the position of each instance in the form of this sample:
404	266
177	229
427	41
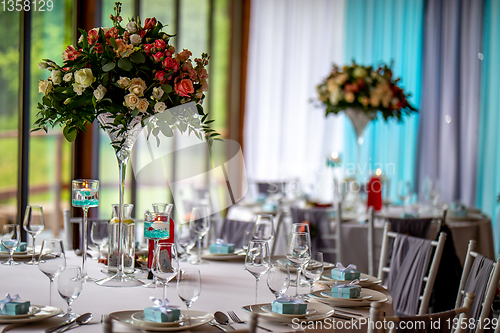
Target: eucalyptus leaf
125	64
109	66
137	57
165	129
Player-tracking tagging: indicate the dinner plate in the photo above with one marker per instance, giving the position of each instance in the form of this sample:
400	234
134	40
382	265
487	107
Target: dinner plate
284	261
196	318
322	311
33	309
365	280
140	318
377	296
19	255
328	294
43	313
223	257
236	252
269	308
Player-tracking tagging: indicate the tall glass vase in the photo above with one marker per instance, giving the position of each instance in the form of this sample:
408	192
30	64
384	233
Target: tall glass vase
359	119
122	141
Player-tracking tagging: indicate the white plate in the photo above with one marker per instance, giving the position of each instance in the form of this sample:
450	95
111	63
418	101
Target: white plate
377	296
223	257
19	255
328	294
33	309
365	280
43	313
197	318
283	261
236	252
139	317
268	308
322	311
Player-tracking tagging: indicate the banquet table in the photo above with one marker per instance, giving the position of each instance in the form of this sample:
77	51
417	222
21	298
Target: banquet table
225	286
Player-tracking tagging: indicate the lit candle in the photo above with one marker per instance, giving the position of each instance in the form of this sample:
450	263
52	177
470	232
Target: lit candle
378	172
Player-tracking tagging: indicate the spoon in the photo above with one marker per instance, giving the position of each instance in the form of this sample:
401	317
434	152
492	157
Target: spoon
82	320
222	319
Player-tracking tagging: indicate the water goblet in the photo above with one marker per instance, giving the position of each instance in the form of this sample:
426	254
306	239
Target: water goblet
186	239
299	253
34	223
11	237
99	234
257	260
200	224
85	194
69	286
189	285
52	260
165	264
314	269
278	278
264	227
247	235
404	192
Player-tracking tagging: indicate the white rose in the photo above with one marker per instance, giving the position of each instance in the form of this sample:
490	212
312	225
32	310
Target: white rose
131	27
143	105
67	77
99	92
78	88
359	72
42	65
158	93
135	39
84	77
160	107
45	87
131	101
56	77
124	82
137	86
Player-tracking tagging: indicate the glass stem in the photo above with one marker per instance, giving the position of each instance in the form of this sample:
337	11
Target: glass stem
199	249
165	290
84	231
297	282
122	166
155	278
50	291
69	306
256	288
33	254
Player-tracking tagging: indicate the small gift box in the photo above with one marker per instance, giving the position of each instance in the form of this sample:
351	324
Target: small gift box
221	248
13	305
286	305
21	248
162	312
351	290
345	273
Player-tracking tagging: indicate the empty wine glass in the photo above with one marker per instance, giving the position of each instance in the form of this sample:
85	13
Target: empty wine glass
69	286
404	191
264	227
200	224
165	264
34	223
189	285
186	239
11	237
52	260
99	233
299	253
314	269
257	260
278	278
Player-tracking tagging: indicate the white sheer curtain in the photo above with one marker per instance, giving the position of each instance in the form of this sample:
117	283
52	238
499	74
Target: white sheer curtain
293	44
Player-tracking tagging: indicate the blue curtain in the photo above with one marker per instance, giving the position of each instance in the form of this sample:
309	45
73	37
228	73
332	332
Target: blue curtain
488	178
381	31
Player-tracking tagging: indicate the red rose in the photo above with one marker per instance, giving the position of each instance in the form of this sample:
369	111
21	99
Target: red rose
149	23
168	53
184	88
160	44
148	48
161	76
158	56
170	63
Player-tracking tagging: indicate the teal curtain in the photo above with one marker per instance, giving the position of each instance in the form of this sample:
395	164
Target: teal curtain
488	178
381	31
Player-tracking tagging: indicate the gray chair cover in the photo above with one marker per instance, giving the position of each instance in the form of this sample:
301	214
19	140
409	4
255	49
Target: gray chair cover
232	231
425	323
409	264
476	283
413	227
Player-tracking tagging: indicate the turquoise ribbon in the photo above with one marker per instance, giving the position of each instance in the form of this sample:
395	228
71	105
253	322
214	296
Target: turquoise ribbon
8	299
163	305
353	283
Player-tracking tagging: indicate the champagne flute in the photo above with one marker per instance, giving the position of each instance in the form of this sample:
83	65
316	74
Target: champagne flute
34	223
186	239
200	224
278	279
11	237
52	260
299	253
314	269
69	286
257	261
165	264
264	227
404	191
189	285
99	234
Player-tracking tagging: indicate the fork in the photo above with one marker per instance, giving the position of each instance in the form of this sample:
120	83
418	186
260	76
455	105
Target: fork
237	320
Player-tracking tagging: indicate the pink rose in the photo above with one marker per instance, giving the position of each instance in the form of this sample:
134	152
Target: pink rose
184	88
149	23
93	36
148	48
70	53
158	56
161	76
160	44
168	53
170	63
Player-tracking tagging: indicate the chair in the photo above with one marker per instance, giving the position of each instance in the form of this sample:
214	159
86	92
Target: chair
408	268
421	323
371	243
480	275
232	231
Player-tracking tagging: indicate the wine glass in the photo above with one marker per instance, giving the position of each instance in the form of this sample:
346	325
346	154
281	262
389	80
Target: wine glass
314	269
189	285
99	234
69	286
299	227
264	227
11	237
404	191
34	223
85	194
278	278
246	238
299	253
257	260
186	239
165	264
52	260
200	224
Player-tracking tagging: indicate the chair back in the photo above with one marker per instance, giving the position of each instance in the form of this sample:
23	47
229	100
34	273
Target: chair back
232	231
406	277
